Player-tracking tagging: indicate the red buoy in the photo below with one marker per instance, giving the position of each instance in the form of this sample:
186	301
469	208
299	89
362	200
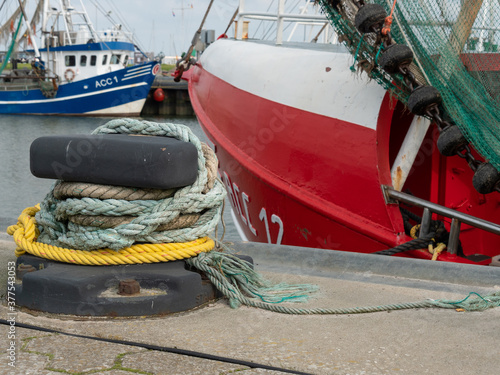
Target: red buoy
159	95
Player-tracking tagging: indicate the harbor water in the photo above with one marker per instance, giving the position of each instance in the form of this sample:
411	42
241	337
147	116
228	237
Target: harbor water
20	189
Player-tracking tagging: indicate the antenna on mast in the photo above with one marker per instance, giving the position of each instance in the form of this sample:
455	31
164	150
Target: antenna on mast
182	9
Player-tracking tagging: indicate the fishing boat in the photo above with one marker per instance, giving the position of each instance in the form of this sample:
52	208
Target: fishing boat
355	140
76	71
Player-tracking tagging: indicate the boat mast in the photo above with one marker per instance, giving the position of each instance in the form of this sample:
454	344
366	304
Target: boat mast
30	31
482	35
463	26
89	23
44	17
5	29
67	21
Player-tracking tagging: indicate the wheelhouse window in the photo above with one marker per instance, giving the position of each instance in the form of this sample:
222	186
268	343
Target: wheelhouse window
125	60
83	60
115	59
93	60
104	59
70	60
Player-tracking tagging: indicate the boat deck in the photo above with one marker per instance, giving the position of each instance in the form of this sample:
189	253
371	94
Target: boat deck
20	79
435	341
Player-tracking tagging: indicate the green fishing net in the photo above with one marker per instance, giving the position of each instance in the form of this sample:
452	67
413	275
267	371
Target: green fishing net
455	46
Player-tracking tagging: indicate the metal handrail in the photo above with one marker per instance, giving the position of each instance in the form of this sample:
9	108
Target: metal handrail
284	16
279	17
457	217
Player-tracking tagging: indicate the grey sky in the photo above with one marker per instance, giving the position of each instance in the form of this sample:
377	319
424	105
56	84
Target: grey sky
165	26
158	30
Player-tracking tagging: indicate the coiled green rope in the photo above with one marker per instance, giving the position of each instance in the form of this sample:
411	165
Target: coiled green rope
148	214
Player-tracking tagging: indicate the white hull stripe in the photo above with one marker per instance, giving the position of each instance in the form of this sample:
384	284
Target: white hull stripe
132	70
146	69
65	98
135	75
311	80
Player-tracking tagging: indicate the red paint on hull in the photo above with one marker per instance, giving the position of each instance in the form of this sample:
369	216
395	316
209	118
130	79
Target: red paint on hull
319	188
299	178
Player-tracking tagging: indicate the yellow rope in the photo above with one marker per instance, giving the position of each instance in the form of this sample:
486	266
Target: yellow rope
25	234
435	251
413	231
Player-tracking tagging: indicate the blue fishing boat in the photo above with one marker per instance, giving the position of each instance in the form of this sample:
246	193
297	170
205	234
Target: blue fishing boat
77	71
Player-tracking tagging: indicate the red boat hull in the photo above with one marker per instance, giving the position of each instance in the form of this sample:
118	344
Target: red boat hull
299	177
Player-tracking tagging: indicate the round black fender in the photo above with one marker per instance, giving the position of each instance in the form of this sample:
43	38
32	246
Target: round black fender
394	57
369	18
451	140
422	98
486	178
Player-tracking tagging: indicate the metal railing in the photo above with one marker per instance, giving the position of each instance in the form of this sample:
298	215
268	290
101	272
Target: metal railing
393	196
279	17
11	82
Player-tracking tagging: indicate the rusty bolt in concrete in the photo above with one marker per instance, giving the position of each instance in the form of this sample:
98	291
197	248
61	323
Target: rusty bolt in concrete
129	287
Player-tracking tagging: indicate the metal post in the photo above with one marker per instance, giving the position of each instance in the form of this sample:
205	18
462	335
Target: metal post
89	23
279	26
239	29
408	152
303	11
66	17
30	31
454	236
426	223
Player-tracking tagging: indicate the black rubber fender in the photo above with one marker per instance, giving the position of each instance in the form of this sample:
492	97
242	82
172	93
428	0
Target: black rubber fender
369	18
422	98
116	159
486	178
334	3
451	140
395	56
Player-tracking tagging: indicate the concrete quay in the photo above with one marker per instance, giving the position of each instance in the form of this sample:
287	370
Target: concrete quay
216	339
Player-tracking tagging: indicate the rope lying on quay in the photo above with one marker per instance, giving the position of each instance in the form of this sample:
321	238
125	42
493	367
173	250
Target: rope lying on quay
91	224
